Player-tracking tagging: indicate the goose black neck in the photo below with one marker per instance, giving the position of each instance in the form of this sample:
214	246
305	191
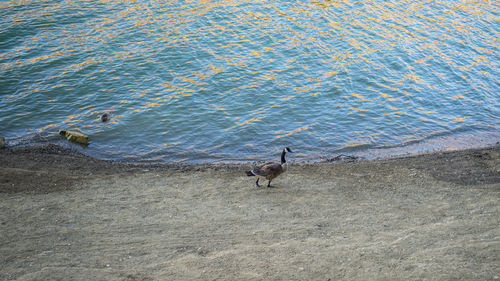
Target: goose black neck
283	160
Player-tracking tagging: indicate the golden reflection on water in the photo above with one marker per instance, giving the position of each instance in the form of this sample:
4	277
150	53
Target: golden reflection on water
294	131
318	49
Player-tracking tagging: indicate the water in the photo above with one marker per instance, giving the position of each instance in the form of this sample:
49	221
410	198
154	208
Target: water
238	80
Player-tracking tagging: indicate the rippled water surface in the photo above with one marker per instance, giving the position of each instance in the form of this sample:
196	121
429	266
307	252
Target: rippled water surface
238	80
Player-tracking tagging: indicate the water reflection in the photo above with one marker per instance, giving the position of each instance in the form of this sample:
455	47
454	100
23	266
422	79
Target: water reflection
220	78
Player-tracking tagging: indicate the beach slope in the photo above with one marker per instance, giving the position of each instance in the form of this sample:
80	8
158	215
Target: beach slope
66	216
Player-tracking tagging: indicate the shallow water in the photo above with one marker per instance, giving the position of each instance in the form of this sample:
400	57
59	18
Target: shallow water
239	80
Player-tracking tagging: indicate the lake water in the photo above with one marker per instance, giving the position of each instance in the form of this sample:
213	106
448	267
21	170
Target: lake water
239	80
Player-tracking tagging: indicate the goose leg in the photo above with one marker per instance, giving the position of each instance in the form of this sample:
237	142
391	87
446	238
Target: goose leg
257	182
269	184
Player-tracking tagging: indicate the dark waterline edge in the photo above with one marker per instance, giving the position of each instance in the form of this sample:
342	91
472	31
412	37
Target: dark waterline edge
440	144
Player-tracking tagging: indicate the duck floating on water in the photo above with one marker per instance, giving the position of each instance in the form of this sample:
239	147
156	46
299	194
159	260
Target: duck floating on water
270	170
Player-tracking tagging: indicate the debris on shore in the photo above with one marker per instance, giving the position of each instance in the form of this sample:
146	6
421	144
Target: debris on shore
343	158
75	136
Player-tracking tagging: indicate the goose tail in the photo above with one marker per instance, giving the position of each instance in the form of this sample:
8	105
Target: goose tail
250	174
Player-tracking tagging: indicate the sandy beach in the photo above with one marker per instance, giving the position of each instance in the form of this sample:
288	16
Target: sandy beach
66	216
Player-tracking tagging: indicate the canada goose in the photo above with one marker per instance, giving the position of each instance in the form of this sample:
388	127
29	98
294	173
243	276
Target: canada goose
105	117
270	170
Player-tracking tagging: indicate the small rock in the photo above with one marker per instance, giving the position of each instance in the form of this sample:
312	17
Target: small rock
75	136
2	142
202	252
105	117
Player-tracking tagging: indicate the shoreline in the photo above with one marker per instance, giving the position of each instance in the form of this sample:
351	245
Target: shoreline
432	144
51	166
372	154
66	216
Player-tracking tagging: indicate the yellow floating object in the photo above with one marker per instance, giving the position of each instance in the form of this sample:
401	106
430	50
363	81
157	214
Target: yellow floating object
75	136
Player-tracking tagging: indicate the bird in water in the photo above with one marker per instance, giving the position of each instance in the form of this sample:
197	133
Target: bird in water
270	170
105	117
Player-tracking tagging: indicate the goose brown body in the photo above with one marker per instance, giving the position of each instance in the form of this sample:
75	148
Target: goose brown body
270	170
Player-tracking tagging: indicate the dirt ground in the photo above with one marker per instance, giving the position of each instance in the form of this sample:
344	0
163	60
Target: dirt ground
65	216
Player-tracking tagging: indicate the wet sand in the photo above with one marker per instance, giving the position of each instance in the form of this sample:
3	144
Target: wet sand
66	216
